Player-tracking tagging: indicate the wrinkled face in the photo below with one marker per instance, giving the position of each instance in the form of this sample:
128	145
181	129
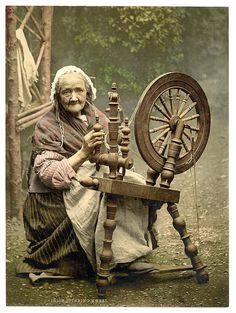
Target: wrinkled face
72	93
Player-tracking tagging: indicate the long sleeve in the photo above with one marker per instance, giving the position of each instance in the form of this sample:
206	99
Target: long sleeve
53	170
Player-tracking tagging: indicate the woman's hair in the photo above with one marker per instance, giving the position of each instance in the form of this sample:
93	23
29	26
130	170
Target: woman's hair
87	86
91	90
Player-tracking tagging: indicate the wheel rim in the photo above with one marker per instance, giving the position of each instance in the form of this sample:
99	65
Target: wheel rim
166	99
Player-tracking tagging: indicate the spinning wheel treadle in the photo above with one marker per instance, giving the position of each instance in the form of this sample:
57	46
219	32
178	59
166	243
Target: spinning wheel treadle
166	100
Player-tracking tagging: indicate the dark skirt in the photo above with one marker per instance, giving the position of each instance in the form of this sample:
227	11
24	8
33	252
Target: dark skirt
53	247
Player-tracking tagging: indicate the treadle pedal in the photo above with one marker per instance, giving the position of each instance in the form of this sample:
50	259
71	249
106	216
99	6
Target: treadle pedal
44	277
171	268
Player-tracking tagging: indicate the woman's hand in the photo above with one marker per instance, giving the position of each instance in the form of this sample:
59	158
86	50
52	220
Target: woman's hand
91	141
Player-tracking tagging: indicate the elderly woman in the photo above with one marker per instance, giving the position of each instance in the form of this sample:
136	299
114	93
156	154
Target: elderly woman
62	219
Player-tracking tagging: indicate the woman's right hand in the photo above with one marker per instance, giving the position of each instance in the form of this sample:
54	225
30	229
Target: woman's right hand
91	141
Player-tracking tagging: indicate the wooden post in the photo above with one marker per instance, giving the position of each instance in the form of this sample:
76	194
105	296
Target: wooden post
167	175
45	66
109	225
13	137
190	249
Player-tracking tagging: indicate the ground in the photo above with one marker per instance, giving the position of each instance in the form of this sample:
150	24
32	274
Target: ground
206	215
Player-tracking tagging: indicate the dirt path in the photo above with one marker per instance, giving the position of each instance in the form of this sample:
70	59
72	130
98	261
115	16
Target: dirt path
165	290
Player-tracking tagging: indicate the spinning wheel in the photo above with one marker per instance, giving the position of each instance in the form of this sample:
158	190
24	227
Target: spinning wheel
166	100
172	127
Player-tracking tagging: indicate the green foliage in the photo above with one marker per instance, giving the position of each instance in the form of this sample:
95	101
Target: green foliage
133	45
130	45
149	27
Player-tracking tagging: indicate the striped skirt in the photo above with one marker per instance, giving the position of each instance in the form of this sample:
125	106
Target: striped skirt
53	247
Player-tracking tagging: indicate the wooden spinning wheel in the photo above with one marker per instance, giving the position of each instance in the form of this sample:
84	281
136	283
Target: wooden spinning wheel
172	127
166	100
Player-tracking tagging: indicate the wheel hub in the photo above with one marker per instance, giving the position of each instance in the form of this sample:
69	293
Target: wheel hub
173	122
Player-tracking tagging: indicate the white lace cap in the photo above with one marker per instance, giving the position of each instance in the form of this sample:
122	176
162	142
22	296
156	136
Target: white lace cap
71	69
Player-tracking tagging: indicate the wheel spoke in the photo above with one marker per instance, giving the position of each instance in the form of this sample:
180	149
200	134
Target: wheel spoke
191	106
158	119
177	99
164	144
156	129
196	129
171	101
161	111
186	135
193	117
165	106
183	104
185	145
161	134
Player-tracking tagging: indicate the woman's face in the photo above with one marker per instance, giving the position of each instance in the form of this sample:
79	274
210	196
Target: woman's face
72	93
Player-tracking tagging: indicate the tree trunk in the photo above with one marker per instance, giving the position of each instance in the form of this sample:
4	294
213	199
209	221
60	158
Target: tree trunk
45	67
13	137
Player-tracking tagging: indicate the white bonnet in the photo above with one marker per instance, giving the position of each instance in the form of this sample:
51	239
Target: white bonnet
70	69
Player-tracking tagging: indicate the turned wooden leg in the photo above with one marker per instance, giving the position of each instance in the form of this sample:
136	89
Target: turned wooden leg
109	225
190	249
